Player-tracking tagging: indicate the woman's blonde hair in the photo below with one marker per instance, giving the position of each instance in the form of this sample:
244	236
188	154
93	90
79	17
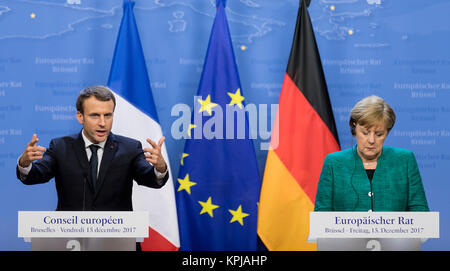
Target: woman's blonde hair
369	111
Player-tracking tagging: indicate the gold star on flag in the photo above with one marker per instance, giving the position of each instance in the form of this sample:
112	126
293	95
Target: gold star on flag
238	215
208	207
183	156
191	126
185	184
236	98
207	105
32	15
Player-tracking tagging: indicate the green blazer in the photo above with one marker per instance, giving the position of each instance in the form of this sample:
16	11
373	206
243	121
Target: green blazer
396	184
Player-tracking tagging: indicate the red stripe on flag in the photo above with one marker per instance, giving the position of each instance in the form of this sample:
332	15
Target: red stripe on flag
157	242
303	138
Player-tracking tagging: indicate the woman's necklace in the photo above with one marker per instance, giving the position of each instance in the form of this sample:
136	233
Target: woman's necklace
370	163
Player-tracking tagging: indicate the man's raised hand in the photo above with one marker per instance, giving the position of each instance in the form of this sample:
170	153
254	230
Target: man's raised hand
32	152
154	155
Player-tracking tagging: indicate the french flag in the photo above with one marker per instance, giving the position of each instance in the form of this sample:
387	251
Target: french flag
136	117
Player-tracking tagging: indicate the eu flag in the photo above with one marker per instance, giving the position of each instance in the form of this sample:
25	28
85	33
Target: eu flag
218	184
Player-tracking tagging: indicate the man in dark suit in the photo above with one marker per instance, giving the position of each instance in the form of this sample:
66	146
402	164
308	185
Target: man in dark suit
94	170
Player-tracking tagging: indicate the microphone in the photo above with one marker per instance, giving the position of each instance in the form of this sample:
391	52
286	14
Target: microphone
371	195
84	190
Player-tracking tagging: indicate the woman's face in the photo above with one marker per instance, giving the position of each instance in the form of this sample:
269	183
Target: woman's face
370	140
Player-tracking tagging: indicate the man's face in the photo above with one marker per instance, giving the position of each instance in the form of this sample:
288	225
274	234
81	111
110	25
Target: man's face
97	119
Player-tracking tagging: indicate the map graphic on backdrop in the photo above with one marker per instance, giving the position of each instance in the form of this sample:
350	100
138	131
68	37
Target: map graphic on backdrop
88	14
51	49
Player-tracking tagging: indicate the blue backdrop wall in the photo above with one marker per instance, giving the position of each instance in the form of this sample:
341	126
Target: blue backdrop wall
51	49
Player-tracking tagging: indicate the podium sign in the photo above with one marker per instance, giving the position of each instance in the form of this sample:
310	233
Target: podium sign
372	230
374	225
82	224
82	230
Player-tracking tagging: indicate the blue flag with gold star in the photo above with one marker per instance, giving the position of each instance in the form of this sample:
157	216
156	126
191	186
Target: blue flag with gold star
218	183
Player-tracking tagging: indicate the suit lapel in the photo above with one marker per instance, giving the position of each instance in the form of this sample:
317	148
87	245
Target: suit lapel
380	170
108	155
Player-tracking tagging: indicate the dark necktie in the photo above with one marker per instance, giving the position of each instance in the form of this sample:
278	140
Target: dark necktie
94	164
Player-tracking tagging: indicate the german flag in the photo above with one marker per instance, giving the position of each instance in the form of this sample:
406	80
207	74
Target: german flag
304	133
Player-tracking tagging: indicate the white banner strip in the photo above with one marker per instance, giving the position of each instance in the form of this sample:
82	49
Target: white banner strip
82	224
373	225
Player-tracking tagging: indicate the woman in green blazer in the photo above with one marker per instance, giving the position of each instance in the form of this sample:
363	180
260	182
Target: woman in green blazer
370	176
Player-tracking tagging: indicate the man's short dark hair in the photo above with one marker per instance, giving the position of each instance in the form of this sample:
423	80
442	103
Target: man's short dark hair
101	93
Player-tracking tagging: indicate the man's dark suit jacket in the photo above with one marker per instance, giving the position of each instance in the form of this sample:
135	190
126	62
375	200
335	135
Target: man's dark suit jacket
66	160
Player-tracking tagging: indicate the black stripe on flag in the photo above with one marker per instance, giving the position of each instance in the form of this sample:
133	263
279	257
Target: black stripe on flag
305	69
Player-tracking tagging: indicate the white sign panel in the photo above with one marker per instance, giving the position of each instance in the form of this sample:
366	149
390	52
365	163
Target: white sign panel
373	225
82	224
